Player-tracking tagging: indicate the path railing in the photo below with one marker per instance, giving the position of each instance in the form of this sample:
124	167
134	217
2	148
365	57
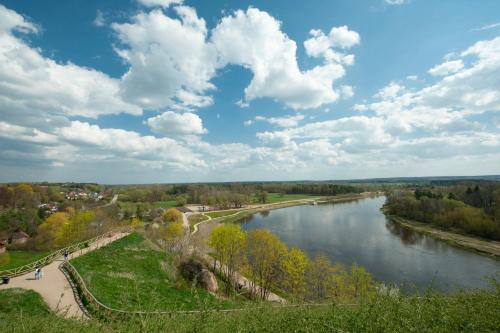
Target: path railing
13	272
102	310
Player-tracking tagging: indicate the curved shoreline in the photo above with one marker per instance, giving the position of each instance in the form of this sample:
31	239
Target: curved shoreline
285	204
474	244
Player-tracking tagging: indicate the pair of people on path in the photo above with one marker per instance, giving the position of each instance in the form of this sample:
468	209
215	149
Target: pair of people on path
38	273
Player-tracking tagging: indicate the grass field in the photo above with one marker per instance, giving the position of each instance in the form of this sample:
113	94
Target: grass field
129	274
238	217
20	258
463	312
196	218
165	204
215	215
277	197
28	302
132	206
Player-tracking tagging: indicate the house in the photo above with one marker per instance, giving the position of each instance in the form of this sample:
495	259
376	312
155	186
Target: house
19	238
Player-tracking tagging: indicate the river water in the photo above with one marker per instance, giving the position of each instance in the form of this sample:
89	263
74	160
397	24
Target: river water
358	232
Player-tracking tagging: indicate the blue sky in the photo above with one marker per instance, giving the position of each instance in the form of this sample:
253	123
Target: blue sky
174	91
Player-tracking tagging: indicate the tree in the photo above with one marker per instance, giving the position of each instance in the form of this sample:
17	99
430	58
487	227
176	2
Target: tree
228	242
172	215
359	282
78	227
262	196
323	279
181	200
294	269
50	233
265	254
24	196
136	223
171	234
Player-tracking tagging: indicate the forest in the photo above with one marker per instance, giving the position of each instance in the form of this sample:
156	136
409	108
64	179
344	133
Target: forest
468	207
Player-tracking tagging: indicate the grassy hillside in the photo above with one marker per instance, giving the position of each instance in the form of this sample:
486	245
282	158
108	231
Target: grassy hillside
130	274
20	258
464	312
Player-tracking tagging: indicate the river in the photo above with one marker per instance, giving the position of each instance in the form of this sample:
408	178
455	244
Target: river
358	232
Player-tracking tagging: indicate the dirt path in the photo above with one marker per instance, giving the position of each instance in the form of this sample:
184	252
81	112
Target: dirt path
246	284
54	287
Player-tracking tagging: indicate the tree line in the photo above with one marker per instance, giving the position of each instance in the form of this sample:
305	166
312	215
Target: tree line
471	208
271	266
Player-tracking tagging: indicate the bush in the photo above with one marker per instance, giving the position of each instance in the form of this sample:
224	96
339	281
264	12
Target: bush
4	258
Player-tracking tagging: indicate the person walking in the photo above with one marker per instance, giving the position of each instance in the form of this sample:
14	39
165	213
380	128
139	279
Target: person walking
66	254
37	273
40	273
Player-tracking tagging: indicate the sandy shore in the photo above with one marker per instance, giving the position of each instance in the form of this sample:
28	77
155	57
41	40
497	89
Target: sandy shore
483	246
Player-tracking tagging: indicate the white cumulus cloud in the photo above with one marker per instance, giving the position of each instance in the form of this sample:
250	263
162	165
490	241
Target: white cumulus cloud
253	39
448	67
171	124
159	3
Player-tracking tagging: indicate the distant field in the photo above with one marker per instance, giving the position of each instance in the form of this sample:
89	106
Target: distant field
165	204
131	206
215	215
20	258
239	216
128	274
277	197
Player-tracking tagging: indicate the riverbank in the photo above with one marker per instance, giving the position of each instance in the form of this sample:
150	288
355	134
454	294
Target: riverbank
318	200
241	213
482	246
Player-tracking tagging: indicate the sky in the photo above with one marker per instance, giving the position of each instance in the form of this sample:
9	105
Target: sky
157	91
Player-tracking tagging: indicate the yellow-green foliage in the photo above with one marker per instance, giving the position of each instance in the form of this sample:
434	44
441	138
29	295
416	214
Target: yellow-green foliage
267	262
265	253
63	228
172	215
171	232
228	242
136	223
294	269
4	258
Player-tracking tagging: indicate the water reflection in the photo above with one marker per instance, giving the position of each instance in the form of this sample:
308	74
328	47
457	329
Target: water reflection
407	235
359	232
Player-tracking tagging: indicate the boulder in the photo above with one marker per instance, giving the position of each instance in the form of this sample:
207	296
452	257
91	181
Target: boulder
19	238
194	270
209	281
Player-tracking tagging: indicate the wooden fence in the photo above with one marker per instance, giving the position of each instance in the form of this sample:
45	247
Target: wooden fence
13	272
102	310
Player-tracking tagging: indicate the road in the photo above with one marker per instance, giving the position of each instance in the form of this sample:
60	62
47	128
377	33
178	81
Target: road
112	202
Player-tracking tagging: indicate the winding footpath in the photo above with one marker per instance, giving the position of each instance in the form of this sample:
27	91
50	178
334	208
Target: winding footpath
54	287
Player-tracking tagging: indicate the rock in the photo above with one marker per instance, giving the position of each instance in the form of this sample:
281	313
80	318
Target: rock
209	281
19	238
194	270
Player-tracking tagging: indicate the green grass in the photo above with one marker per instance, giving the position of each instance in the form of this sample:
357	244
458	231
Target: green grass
463	312
132	206
128	205
221	213
28	302
128	274
238	217
277	197
196	218
165	204
20	258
